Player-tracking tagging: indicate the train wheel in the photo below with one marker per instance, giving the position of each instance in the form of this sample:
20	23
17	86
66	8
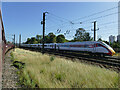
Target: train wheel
91	54
98	55
102	55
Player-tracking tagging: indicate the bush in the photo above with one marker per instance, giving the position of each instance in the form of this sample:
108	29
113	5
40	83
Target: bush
18	64
52	58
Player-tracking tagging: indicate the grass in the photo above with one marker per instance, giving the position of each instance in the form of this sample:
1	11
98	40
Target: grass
46	71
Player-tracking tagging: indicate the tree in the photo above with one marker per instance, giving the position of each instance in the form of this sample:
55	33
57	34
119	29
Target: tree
81	35
31	41
87	37
115	45
60	39
39	38
106	42
28	41
99	39
46	39
52	38
72	40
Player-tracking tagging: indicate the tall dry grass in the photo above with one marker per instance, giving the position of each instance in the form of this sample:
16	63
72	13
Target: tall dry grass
46	71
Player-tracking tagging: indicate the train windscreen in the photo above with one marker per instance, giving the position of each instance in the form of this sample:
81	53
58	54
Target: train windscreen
107	45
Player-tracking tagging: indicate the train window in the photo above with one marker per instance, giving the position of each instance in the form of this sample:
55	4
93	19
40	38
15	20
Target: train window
99	45
85	46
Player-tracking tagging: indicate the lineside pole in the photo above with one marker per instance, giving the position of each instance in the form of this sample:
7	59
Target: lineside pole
19	40
95	30
43	33
14	42
43	41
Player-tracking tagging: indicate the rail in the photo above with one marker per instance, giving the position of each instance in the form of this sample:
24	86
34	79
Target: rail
107	62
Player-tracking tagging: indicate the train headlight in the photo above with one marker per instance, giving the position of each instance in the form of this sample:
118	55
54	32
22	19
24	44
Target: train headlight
113	52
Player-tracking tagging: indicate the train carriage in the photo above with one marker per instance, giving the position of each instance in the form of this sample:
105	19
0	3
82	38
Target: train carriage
93	47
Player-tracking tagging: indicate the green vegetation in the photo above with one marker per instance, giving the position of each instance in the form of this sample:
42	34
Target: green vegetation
81	35
115	45
46	71
60	39
50	38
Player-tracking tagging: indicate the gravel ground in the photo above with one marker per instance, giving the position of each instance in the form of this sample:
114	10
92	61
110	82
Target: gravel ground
9	76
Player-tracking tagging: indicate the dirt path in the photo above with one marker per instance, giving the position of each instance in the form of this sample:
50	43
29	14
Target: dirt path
9	76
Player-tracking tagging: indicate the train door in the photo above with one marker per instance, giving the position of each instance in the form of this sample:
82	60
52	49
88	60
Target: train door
55	47
58	46
94	48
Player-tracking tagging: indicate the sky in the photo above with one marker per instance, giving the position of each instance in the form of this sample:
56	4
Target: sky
25	18
60	0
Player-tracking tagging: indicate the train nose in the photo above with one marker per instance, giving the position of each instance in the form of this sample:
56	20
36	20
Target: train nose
113	52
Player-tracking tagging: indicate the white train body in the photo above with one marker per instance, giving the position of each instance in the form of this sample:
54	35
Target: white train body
86	46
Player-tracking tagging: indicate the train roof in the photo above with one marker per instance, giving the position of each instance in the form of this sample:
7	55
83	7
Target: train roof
68	43
80	42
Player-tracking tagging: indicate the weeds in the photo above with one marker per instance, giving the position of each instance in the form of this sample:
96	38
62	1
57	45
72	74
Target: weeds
18	64
12	56
52	58
46	71
42	71
60	76
24	77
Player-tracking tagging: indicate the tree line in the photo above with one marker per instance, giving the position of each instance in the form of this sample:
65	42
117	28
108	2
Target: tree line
81	35
115	44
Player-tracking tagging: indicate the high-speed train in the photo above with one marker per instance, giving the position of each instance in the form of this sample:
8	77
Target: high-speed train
92	47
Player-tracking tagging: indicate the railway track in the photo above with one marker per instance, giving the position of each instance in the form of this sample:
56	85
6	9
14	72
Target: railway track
110	61
106	61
